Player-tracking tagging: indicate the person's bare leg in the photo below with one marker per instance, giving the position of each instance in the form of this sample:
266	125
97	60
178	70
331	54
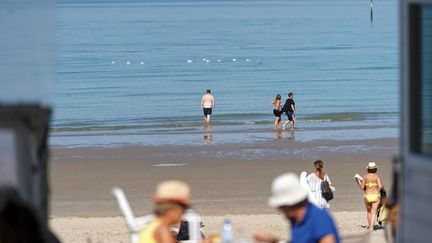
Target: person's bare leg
284	125
208	118
277	122
374	209
368	209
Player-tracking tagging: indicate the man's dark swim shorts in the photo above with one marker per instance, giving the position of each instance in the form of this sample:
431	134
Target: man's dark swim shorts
290	115
207	111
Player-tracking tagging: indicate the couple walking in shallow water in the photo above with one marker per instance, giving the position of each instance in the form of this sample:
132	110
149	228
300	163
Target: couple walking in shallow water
288	108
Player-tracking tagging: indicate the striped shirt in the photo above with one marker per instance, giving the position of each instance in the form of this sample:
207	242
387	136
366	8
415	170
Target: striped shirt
315	186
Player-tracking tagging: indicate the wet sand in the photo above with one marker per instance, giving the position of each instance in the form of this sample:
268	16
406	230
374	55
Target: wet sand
229	179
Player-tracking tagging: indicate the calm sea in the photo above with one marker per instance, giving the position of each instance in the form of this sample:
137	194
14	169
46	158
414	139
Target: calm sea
124	76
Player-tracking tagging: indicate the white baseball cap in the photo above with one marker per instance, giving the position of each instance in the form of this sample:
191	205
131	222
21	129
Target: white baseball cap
287	191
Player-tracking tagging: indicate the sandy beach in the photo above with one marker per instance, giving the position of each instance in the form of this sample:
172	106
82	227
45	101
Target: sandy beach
229	180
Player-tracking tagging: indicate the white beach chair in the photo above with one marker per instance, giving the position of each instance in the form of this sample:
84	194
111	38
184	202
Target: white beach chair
133	224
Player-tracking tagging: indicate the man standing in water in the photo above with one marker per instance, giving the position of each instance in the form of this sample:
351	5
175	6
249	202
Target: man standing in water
207	104
289	109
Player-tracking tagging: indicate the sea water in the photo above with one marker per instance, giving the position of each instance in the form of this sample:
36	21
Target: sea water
133	72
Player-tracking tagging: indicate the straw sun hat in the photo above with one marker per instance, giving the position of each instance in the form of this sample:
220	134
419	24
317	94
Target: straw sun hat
177	191
371	166
287	191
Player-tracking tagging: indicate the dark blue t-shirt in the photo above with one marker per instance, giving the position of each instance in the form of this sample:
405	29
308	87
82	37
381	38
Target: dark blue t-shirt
316	224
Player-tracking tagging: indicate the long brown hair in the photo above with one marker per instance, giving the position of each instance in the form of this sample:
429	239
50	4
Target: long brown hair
278	97
319	167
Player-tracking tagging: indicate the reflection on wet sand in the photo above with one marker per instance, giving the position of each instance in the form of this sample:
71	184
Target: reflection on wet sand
208	134
285	134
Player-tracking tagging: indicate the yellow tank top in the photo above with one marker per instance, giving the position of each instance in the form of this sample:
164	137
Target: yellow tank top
147	234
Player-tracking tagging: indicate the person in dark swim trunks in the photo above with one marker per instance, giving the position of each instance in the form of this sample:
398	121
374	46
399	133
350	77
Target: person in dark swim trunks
289	109
277	111
207	103
207	111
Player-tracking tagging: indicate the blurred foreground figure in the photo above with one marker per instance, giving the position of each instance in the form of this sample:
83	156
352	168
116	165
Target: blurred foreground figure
171	199
309	224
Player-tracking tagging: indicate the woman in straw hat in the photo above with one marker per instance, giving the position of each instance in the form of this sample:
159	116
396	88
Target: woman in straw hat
371	185
171	200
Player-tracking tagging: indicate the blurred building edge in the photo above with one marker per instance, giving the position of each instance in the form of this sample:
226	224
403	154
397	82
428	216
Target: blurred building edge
27	73
415	195
24	153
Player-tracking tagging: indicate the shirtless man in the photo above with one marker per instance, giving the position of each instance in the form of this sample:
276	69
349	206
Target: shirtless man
207	104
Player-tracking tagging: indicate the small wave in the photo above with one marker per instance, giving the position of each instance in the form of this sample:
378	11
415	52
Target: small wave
190	123
314	121
346	116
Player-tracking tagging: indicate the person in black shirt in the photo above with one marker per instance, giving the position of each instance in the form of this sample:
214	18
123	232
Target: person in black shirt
289	109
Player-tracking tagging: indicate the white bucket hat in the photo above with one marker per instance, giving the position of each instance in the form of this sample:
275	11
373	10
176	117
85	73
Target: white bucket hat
371	166
287	191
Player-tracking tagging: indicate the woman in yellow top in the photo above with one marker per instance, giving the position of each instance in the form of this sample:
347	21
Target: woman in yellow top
371	185
171	200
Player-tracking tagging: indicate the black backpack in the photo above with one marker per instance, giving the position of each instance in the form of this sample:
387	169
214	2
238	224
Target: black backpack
326	191
286	106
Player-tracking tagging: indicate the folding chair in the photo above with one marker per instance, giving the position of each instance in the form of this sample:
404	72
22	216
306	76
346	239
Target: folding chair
133	224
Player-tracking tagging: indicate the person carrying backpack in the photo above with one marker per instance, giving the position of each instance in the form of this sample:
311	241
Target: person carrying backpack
320	185
289	109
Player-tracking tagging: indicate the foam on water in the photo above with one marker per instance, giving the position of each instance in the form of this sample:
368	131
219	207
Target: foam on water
169	165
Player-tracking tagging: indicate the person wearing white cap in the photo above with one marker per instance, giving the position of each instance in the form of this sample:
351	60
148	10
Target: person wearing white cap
309	223
171	200
371	185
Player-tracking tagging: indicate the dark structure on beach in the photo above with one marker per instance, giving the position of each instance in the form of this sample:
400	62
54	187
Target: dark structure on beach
415	195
